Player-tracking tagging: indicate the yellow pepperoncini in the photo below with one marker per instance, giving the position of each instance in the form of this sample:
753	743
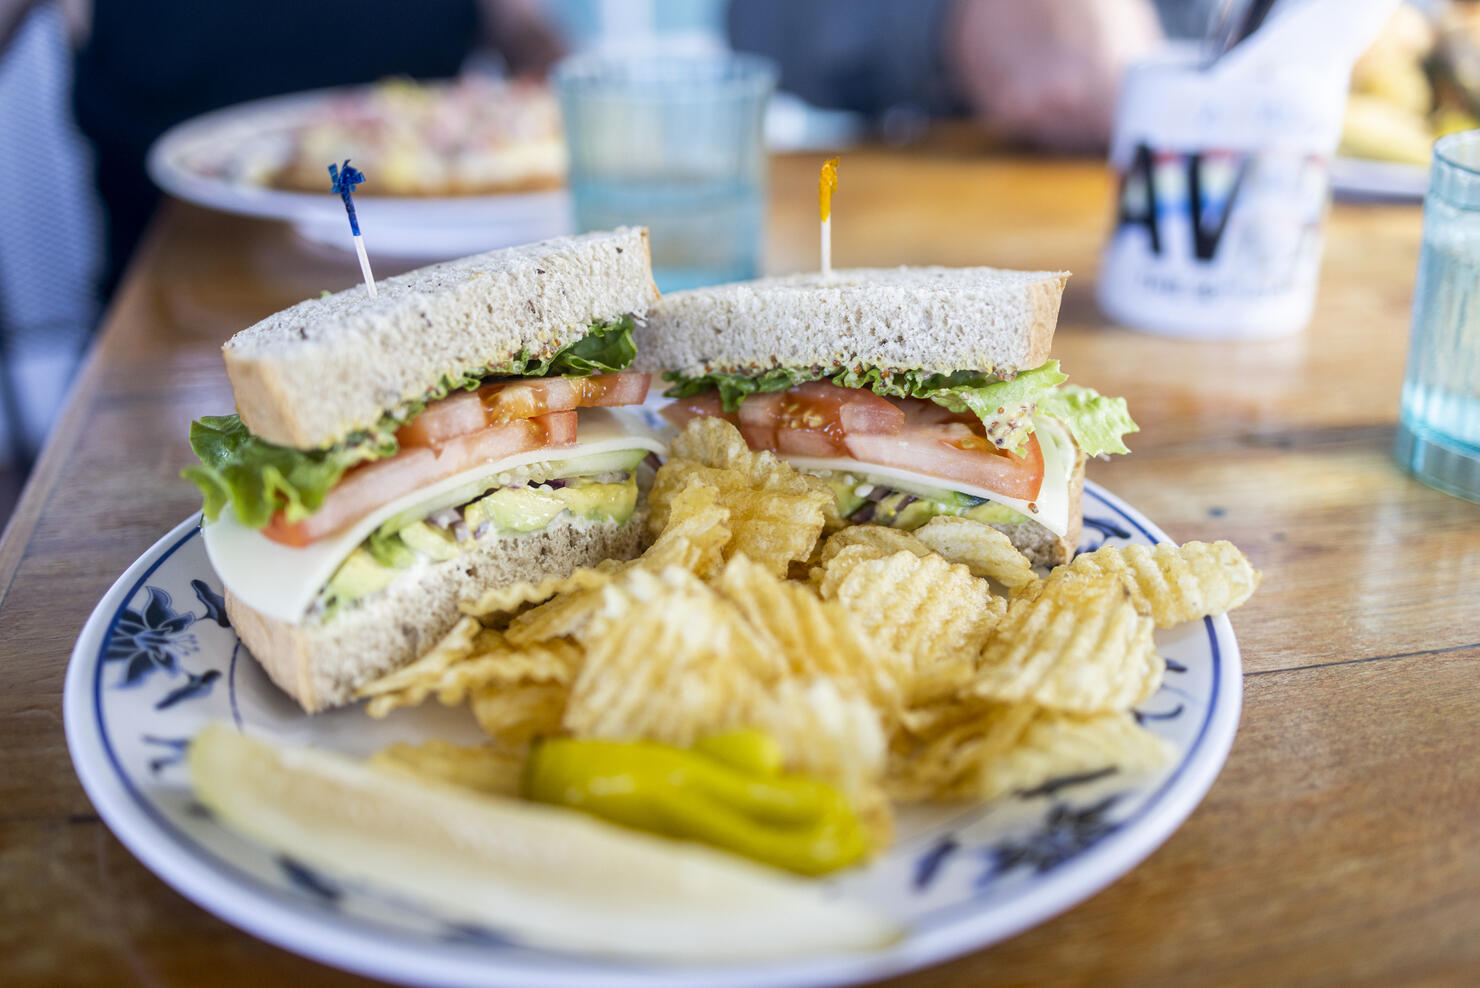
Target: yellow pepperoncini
727	791
827	184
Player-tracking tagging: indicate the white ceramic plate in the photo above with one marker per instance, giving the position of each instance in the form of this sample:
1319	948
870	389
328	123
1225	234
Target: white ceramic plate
1360	178
183	163
157	660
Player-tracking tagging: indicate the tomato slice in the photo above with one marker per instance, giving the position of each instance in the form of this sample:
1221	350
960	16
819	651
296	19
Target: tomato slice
758	417
954	451
519	398
456	415
808	420
823	420
371	485
525	397
682	411
850	411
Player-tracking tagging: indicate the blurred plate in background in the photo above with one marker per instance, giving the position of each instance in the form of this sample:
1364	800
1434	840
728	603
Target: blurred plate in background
223	159
1362	178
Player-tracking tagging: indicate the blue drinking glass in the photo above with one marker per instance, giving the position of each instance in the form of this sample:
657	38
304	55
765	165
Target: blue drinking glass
674	143
1439	430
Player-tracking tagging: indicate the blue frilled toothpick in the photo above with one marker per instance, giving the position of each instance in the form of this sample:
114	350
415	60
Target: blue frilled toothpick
345	178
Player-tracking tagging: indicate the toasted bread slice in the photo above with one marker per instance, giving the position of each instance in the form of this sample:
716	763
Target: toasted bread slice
933	319
314	373
322	664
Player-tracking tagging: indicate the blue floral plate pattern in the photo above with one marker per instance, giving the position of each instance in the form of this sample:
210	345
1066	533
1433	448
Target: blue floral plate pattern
158	659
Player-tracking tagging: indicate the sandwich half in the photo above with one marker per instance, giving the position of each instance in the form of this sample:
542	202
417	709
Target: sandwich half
394	455
914	392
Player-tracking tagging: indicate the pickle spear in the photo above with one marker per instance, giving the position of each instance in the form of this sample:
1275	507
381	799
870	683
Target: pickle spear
548	877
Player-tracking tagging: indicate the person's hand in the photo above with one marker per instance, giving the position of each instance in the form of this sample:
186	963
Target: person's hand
522	35
1047	71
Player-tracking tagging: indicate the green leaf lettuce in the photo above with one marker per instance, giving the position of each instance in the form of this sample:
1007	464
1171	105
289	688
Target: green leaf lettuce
1099	424
1005	407
260	478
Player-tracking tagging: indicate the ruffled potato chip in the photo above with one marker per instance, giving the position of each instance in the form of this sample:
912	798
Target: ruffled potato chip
1174	583
1017	748
981	548
655	633
454	670
515	715
944	764
486	768
672	660
714	442
774	528
1057	745
1071	644
694	531
693	535
413	683
935	612
776	514
563	617
881	540
816	637
513	597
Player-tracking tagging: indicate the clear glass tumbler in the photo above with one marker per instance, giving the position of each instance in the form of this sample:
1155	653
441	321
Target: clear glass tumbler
674	143
1439	430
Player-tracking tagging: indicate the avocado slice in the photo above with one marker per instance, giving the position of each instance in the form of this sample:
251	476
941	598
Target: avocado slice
908	510
435	543
514	509
598	501
845	491
373	564
358	576
991	513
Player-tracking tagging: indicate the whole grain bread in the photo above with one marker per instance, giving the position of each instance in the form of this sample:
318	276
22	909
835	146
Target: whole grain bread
929	318
310	375
322	665
1042	547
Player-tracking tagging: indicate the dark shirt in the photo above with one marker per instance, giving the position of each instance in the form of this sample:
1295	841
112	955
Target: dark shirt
864	55
149	64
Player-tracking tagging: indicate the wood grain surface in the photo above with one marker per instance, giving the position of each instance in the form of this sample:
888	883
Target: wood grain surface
1339	845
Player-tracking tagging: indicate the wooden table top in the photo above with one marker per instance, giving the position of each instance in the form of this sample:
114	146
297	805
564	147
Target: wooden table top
1339	843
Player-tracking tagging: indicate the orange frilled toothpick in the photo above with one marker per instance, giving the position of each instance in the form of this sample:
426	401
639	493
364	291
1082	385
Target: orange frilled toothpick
827	184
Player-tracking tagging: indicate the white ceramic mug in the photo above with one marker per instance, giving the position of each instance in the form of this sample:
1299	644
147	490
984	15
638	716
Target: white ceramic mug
1224	177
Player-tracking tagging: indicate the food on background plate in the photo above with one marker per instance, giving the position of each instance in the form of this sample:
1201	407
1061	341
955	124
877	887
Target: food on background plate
474	135
1417	82
546	876
871	661
909	393
392	455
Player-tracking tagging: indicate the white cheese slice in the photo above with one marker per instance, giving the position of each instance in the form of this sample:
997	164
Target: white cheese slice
282	581
1050	509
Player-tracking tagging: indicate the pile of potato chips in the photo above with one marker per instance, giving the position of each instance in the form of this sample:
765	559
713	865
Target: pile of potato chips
933	665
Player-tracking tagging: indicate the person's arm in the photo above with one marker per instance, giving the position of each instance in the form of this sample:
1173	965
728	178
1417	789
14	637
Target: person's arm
522	34
1047	71
1044	71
